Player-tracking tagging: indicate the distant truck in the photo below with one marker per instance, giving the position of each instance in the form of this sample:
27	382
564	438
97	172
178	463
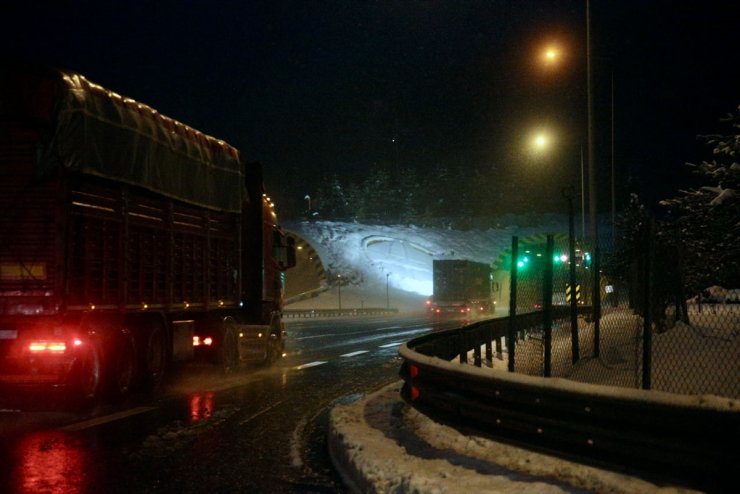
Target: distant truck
128	241
461	288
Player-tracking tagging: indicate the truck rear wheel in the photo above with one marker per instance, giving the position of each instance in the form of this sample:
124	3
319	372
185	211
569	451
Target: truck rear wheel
86	375
122	367
227	354
154	360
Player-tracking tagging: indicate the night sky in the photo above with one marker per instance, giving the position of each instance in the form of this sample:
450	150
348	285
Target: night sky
310	88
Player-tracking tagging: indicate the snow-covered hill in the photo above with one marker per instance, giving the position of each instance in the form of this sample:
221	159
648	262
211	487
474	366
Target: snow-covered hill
373	258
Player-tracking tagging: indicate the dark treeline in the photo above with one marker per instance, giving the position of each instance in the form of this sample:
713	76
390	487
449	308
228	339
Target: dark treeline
388	195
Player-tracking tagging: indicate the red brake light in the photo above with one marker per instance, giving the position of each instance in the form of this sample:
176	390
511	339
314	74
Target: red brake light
47	347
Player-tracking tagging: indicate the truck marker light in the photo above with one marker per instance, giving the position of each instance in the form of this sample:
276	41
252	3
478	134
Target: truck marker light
207	341
76	342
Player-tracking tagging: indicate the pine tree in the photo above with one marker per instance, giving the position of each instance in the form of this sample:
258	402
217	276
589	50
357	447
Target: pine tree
377	195
409	194
331	199
708	217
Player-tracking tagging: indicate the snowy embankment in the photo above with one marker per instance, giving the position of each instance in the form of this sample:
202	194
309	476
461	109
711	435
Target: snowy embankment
380	444
371	258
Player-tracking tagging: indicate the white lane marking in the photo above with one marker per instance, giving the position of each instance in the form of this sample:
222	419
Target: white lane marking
310	364
388	327
105	419
323	335
388	345
255	415
353	354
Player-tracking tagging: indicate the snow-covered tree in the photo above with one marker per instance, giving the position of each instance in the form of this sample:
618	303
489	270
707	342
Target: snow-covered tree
708	217
331	200
409	192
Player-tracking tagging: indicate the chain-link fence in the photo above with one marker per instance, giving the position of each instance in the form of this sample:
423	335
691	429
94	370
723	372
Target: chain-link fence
633	324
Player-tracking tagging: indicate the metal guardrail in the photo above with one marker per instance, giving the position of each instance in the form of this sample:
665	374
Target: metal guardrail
655	435
311	313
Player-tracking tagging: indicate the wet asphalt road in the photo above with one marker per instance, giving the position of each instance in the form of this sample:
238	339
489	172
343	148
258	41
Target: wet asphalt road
256	430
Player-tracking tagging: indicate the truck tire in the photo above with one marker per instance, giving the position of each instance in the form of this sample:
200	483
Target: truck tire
86	377
154	358
275	343
122	370
227	353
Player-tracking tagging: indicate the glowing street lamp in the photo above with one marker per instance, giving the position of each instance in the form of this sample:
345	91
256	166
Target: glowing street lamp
551	56
541	141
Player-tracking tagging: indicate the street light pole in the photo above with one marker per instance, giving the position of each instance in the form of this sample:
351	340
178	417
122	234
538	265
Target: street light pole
339	290
387	292
614	192
568	193
593	229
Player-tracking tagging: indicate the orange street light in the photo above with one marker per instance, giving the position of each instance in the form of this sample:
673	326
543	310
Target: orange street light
551	55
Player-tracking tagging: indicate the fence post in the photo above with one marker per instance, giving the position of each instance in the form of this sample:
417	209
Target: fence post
489	349
461	346
647	329
547	303
597	302
511	335
568	194
477	360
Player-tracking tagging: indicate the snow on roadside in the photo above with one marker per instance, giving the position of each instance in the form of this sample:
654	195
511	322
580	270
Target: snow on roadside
390	447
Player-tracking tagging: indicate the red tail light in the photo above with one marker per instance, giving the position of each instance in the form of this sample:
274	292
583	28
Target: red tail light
413	371
414	393
39	347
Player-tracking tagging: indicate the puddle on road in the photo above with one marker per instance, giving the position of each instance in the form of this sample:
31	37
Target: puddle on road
51	462
203	417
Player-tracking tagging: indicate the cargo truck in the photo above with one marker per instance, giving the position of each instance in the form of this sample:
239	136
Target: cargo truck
128	241
461	288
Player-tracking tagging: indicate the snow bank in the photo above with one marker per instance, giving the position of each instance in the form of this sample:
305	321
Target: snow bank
379	444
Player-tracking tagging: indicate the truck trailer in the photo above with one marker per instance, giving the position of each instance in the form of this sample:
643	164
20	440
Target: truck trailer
461	288
128	241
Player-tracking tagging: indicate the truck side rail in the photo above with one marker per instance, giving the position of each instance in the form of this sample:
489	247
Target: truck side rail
690	440
312	313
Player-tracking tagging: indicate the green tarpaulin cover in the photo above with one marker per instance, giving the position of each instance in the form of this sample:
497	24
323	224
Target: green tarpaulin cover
98	132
